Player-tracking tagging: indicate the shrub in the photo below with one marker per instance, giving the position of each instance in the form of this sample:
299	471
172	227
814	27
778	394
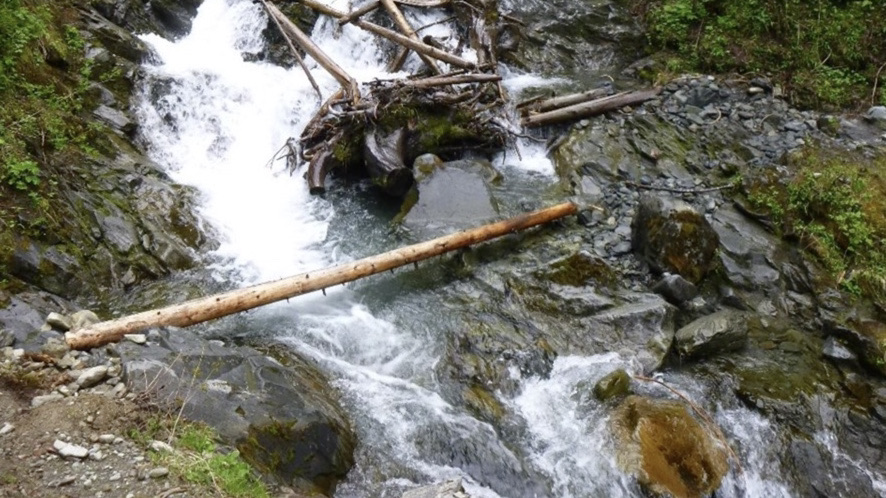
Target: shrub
825	52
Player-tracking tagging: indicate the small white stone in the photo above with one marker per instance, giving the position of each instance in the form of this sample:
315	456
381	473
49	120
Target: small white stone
107	438
92	376
46	398
6	429
136	338
158	472
69	450
161	447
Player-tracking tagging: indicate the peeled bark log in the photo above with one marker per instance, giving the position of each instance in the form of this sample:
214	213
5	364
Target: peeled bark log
298	57
568	100
393	36
589	109
452	80
308	45
403	24
383	156
228	303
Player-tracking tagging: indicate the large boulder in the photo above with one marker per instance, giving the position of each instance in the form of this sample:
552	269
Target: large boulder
865	337
285	420
672	236
667	449
722	331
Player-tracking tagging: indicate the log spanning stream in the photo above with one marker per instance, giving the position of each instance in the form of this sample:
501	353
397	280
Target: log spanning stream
214	120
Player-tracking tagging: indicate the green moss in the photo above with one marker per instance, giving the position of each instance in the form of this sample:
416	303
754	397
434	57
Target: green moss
579	270
834	204
825	52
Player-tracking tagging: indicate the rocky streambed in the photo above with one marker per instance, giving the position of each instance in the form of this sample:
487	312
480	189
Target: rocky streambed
672	275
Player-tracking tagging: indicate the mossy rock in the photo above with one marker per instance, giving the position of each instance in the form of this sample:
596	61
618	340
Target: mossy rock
672	236
613	385
578	270
667	449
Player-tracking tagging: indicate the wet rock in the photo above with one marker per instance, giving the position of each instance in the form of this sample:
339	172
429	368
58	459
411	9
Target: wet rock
643	329
865	337
453	196
115	119
120	234
448	489
667	449
671	236
720	332
833	350
613	385
820	475
676	289
285	420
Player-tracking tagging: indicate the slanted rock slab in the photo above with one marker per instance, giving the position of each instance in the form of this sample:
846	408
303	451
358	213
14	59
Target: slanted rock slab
719	332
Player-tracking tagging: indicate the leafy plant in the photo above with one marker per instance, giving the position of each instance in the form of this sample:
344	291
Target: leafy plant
824	52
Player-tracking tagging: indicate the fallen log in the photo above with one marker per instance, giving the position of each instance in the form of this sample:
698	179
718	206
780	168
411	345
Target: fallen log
298	57
402	23
567	100
311	48
227	303
588	109
393	36
451	80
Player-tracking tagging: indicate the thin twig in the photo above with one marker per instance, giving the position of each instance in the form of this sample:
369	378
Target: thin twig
703	415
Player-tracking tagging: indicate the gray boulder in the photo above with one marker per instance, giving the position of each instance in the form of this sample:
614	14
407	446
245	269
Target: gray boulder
285	420
453	196
877	116
672	236
722	331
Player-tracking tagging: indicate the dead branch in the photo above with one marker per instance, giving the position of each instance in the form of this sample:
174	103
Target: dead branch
227	303
592	108
298	57
401	22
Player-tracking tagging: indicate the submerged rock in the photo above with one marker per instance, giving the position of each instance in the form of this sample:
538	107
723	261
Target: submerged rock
672	236
285	420
667	449
453	196
722	331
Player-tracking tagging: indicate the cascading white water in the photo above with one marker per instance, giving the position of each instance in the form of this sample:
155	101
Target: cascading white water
214	121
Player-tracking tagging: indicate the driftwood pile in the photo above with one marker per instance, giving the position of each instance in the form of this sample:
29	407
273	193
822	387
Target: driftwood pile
451	105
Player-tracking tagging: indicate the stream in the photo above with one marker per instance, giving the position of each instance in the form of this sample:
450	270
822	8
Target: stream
214	121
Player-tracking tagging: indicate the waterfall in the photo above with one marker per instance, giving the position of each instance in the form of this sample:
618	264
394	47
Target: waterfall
214	121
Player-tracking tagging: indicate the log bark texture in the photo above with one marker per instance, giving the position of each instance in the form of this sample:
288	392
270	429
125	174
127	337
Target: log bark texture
311	48
592	108
228	303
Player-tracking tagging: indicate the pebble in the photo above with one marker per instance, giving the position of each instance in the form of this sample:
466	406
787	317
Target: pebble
136	338
64	481
92	376
106	438
46	398
161	447
158	472
115	477
59	321
69	450
6	429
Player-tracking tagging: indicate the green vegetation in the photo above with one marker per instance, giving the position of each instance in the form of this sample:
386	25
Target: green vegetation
824	52
197	459
44	78
835	205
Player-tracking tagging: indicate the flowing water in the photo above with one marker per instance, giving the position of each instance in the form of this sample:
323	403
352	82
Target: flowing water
214	121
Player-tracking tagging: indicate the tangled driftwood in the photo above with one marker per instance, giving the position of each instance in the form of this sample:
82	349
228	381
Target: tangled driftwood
381	126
